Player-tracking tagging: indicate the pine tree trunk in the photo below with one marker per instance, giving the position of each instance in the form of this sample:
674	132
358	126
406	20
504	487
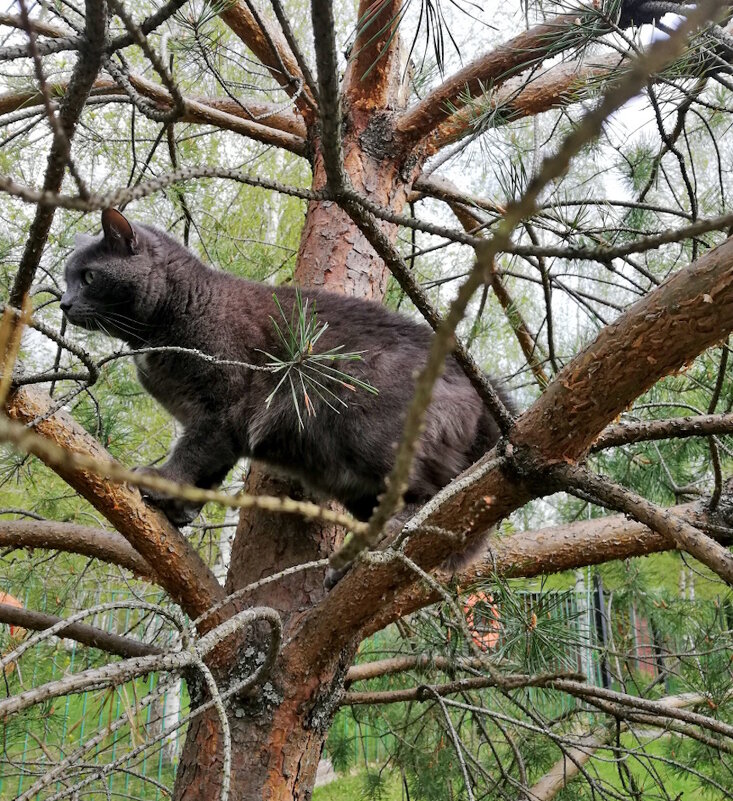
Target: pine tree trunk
278	739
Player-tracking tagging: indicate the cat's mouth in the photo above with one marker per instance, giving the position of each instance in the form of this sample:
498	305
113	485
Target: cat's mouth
82	320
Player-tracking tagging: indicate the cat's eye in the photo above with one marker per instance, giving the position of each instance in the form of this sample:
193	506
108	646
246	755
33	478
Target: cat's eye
87	277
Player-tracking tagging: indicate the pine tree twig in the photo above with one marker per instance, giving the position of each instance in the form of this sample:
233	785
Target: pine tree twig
454	737
60	140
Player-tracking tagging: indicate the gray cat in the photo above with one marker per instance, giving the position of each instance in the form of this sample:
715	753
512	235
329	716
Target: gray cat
138	284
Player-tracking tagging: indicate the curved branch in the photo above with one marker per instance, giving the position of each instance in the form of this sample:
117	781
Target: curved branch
178	568
677	530
108	546
219	113
80	632
172	660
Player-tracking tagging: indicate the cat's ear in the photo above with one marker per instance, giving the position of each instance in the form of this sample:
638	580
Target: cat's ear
119	235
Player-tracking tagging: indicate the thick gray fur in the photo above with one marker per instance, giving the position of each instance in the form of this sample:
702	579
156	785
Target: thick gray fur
148	290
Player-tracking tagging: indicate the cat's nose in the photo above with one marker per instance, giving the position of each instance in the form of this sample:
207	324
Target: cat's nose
65	304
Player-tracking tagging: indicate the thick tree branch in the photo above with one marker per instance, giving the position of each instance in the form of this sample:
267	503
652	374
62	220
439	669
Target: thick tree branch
560	86
368	85
80	632
37	26
554	549
445	190
269	45
178	568
494	68
108	546
399	664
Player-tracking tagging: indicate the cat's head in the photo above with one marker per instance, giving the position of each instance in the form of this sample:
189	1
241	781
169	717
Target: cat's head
108	280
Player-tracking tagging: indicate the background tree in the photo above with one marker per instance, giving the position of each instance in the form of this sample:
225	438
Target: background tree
599	277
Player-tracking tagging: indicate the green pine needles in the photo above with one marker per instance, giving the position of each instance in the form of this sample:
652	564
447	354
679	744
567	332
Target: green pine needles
310	375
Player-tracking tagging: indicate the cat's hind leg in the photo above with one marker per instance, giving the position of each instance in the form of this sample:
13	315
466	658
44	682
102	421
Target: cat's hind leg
393	526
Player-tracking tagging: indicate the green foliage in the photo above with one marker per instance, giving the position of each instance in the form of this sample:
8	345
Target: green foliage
305	368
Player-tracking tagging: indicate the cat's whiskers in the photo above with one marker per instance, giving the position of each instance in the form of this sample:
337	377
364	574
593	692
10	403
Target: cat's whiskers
126	318
123	326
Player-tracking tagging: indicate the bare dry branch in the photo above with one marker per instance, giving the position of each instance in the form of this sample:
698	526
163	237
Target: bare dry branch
85	72
120	672
424	693
673	428
80	632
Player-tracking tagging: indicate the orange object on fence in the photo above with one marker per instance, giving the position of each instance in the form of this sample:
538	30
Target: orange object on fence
6	598
487	635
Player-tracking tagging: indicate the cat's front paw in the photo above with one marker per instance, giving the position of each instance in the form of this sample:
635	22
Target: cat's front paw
179	511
